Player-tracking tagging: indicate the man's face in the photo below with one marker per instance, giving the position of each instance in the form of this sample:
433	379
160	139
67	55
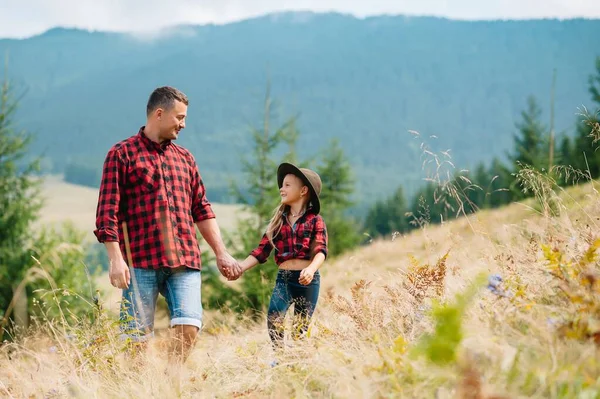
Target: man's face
171	121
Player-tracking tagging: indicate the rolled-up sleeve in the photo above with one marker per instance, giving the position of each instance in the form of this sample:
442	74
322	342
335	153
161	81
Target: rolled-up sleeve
262	252
201	208
109	196
320	236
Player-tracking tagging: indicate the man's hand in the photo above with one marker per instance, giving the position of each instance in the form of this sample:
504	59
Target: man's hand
229	267
118	273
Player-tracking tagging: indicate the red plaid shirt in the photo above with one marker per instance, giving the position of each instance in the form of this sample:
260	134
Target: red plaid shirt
304	241
157	190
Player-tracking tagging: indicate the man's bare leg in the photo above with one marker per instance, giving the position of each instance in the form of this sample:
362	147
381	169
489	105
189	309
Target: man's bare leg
184	340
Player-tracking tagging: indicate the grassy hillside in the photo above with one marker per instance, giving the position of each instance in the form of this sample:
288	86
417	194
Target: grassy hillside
372	318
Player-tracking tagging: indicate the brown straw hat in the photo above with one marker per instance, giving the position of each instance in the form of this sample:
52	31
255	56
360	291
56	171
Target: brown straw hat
309	177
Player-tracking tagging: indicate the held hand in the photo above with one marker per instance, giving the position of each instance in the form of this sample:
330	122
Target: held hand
229	267
306	276
235	274
118	273
237	271
234	277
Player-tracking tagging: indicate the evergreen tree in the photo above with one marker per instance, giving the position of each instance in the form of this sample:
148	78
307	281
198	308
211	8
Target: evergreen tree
60	254
584	155
531	146
20	203
377	219
260	195
389	216
594	83
498	190
479	195
336	193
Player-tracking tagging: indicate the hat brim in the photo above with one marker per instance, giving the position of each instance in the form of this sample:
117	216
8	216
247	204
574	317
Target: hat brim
288	168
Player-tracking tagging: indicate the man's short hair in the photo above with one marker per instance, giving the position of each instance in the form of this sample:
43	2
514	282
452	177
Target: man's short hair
164	97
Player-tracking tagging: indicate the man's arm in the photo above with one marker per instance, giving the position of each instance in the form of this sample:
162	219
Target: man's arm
118	271
212	234
107	223
210	231
204	218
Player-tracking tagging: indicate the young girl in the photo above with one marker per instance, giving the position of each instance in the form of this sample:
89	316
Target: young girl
299	236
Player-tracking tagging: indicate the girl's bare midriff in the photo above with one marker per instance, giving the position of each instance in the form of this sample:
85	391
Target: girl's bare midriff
294	264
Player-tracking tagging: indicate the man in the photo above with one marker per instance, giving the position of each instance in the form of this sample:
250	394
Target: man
151	195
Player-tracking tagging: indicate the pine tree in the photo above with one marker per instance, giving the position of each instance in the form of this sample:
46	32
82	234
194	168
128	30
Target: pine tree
584	151
594	83
377	221
482	180
260	195
336	193
530	145
21	279
389	216
530	142
20	204
498	191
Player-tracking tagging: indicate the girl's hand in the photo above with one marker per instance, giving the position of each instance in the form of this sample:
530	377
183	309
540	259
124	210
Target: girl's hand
234	277
244	266
306	276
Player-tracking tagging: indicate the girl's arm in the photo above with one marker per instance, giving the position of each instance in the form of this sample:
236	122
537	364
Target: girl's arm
317	262
320	242
249	263
259	255
320	247
307	274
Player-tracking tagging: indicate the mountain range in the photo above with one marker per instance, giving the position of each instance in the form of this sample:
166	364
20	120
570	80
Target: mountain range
367	82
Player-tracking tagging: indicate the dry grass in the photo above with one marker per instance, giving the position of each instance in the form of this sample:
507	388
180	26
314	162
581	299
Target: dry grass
371	318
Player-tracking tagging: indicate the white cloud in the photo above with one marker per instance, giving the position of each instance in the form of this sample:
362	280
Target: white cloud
20	18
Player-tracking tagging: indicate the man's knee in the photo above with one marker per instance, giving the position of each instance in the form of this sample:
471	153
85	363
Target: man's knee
186	332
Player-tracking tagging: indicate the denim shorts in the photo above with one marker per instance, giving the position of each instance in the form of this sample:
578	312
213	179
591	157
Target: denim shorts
181	289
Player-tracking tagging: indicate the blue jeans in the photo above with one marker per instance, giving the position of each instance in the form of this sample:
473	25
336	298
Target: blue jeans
288	290
180	287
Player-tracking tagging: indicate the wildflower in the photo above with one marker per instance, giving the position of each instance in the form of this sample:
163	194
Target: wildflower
495	286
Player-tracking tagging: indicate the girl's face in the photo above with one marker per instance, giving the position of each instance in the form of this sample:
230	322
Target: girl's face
293	190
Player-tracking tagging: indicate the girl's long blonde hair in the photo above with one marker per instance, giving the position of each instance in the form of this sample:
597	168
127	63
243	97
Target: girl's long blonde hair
275	223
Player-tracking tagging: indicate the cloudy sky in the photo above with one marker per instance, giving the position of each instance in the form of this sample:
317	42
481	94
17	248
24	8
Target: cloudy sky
22	18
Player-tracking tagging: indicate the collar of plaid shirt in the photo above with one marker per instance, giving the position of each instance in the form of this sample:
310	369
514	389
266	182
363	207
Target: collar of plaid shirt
158	191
